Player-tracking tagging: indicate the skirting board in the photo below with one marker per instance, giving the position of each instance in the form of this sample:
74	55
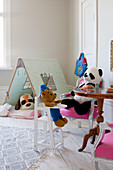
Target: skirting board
3	91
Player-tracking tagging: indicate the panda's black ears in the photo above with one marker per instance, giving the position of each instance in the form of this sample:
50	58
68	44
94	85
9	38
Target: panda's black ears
100	72
72	93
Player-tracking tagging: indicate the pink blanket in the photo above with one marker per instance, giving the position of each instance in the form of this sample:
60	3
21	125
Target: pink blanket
22	114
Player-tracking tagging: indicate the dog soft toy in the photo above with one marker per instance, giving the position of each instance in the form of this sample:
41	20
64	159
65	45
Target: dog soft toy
82	104
48	98
25	102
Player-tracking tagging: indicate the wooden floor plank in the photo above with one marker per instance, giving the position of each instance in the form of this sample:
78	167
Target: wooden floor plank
79	158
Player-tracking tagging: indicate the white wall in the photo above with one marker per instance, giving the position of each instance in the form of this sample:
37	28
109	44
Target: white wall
39	28
50	28
5	77
105	35
73	40
45	28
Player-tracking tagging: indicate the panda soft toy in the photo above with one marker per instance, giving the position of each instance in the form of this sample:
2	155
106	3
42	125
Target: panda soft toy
82	104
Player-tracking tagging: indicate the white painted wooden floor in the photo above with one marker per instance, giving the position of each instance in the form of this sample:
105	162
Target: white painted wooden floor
67	158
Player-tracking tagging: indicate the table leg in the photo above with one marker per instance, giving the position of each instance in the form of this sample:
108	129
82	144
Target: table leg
93	139
100	118
95	131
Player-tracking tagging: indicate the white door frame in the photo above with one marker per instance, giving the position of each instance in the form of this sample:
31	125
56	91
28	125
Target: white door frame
80	28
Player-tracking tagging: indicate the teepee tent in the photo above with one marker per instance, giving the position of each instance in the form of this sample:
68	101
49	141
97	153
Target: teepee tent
29	74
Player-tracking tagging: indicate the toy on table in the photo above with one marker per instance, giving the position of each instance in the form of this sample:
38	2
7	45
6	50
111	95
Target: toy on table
111	85
48	98
82	104
26	102
109	90
88	88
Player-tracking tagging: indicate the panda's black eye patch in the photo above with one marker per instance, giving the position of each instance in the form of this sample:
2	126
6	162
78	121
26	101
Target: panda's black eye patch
30	100
91	76
85	75
23	102
100	72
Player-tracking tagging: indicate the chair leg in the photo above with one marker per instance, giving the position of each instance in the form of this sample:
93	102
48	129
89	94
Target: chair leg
45	131
79	124
90	124
51	132
52	139
61	137
35	126
35	135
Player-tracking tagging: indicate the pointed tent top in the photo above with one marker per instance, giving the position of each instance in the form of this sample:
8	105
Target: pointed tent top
20	63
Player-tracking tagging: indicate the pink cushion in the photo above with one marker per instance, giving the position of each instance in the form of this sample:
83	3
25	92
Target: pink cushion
81	81
111	124
68	94
71	113
105	148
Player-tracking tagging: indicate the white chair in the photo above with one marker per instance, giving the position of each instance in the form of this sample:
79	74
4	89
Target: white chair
103	148
71	114
47	120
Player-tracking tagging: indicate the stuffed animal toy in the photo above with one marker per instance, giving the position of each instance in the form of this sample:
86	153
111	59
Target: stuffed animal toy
26	102
48	98
5	109
82	104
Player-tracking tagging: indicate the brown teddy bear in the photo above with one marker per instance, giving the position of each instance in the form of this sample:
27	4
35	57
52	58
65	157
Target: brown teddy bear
48	98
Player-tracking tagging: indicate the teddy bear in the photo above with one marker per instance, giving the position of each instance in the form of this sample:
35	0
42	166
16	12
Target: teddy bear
48	98
82	104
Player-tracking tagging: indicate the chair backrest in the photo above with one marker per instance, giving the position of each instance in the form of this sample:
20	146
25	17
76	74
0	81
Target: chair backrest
103	148
81	81
41	106
39	99
70	113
